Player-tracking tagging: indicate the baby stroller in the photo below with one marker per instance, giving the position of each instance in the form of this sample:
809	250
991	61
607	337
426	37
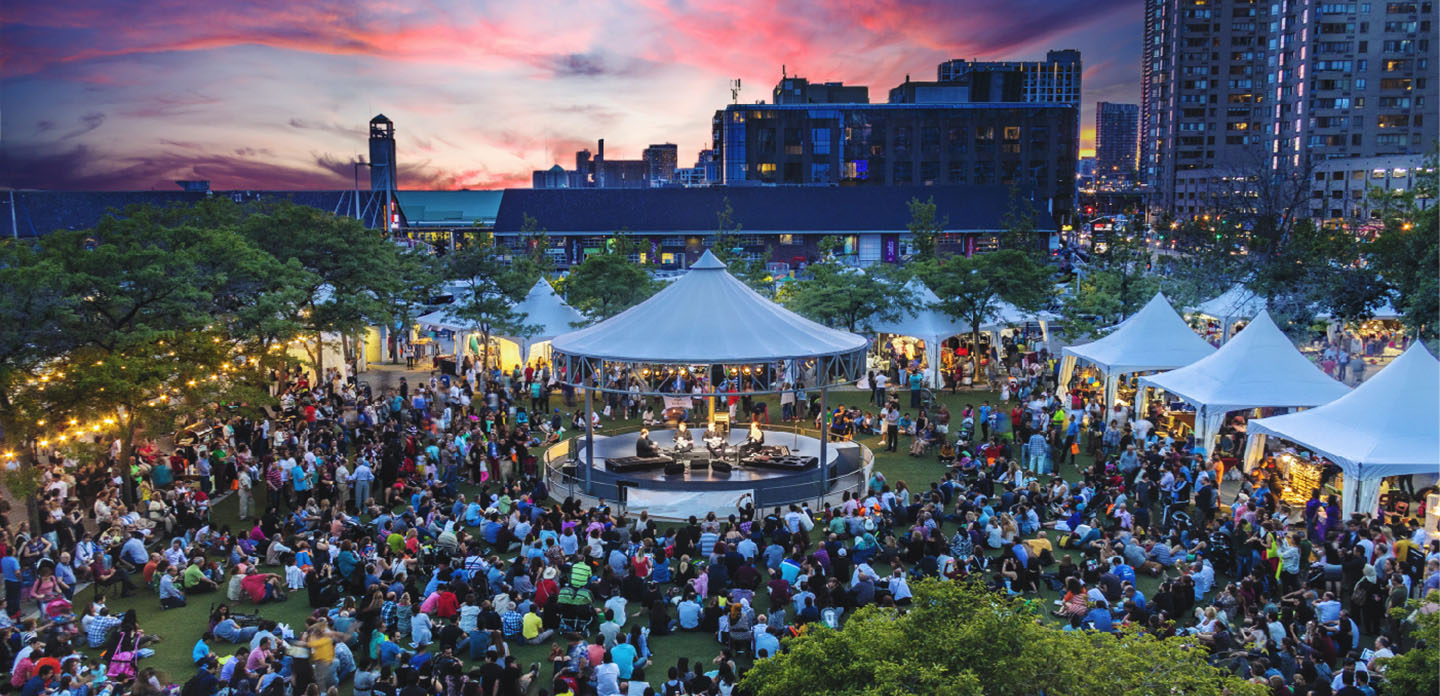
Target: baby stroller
1220	553
576	613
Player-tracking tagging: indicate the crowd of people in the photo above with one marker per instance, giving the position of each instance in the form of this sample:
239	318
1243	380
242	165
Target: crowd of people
416	525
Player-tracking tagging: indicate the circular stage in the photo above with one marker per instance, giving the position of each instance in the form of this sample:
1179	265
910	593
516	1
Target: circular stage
692	483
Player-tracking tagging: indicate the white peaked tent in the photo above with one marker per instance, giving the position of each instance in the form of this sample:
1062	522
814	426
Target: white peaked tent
1387	426
927	323
707	316
542	310
1231	306
1259	367
1154	338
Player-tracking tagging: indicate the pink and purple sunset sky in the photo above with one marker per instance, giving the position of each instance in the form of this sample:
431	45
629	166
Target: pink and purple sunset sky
270	94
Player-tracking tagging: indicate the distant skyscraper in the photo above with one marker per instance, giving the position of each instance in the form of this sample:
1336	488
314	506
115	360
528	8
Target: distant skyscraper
1055	80
660	163
382	154
1116	130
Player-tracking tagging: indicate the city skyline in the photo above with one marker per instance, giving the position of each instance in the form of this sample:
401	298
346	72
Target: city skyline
262	94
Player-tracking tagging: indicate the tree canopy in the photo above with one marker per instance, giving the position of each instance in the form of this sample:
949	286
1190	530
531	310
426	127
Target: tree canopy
959	638
974	288
608	282
850	298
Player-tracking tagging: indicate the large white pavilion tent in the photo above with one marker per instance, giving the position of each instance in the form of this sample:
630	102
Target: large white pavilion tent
1154	338
1259	367
1387	426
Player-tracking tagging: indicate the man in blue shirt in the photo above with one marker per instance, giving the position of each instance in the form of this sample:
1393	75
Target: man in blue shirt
1098	618
689	611
133	552
10	567
624	656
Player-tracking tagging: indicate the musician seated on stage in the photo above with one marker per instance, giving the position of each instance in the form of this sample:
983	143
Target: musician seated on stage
714	441
754	440
683	441
645	447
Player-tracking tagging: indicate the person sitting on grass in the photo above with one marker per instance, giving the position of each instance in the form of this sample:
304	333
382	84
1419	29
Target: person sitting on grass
170	595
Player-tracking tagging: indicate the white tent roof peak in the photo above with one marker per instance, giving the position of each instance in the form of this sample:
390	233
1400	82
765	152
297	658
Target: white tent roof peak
1154	338
1237	301
1258	367
707	316
1389	425
708	262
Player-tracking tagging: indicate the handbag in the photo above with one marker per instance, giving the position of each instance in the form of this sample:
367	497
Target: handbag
122	663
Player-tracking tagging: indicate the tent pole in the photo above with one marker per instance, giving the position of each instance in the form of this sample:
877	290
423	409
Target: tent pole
589	431
824	433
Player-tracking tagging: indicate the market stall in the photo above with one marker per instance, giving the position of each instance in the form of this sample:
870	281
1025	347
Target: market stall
1225	314
918	334
1388	426
545	316
1154	338
1259	367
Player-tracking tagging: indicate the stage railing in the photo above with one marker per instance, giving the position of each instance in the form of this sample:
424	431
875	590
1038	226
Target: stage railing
569	454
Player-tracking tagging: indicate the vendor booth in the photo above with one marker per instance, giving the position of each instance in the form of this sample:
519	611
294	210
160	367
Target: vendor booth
1153	339
1388	426
1260	367
1224	314
919	333
543	312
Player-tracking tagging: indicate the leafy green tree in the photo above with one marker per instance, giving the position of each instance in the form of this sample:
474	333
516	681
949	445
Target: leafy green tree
350	270
974	288
1416	671
730	251
533	262
850	298
607	283
491	289
961	638
1020	231
925	228
1406	249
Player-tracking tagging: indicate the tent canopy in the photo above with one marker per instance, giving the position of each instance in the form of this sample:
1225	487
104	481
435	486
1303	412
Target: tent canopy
1234	303
1154	338
1387	426
547	314
1259	367
707	316
926	321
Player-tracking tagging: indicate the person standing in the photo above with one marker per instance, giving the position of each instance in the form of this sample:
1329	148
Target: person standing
917	381
880	381
892	426
362	478
244	483
321	642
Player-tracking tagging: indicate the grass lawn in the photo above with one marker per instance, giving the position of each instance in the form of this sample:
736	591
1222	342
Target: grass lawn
182	627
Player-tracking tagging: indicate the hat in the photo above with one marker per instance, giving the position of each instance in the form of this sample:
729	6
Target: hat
550	573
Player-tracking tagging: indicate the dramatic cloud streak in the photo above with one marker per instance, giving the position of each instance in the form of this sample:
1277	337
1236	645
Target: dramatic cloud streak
276	94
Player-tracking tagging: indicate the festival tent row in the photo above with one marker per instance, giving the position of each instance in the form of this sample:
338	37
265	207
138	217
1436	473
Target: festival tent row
928	323
1239	303
542	310
1153	339
1387	426
1260	367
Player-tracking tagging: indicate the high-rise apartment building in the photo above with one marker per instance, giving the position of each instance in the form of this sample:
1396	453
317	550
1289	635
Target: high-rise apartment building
660	163
1244	88
1116	132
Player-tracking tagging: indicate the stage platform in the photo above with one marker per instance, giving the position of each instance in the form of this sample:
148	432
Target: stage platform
676	496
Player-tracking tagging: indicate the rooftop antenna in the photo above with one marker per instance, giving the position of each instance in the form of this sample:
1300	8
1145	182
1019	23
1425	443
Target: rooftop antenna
735	91
782	71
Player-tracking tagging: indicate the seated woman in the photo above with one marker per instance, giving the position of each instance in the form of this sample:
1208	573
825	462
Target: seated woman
645	447
683	441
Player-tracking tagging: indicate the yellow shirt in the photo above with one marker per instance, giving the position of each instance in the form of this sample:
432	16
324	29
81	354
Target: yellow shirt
530	626
322	649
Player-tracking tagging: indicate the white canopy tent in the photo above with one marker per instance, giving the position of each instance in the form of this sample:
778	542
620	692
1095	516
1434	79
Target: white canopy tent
542	310
1387	426
1259	367
926	323
1231	306
1154	338
707	316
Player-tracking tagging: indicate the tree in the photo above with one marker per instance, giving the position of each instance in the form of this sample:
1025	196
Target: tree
1406	249
974	288
961	638
350	269
534	262
607	283
731	252
491	289
850	298
1021	232
925	229
1416	671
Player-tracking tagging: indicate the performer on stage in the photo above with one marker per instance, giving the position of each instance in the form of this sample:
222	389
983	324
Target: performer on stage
683	441
714	441
753	441
645	447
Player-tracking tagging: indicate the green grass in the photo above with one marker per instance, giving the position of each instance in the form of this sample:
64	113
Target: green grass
180	628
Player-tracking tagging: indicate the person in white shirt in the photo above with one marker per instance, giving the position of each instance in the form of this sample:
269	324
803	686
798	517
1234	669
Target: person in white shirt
899	588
